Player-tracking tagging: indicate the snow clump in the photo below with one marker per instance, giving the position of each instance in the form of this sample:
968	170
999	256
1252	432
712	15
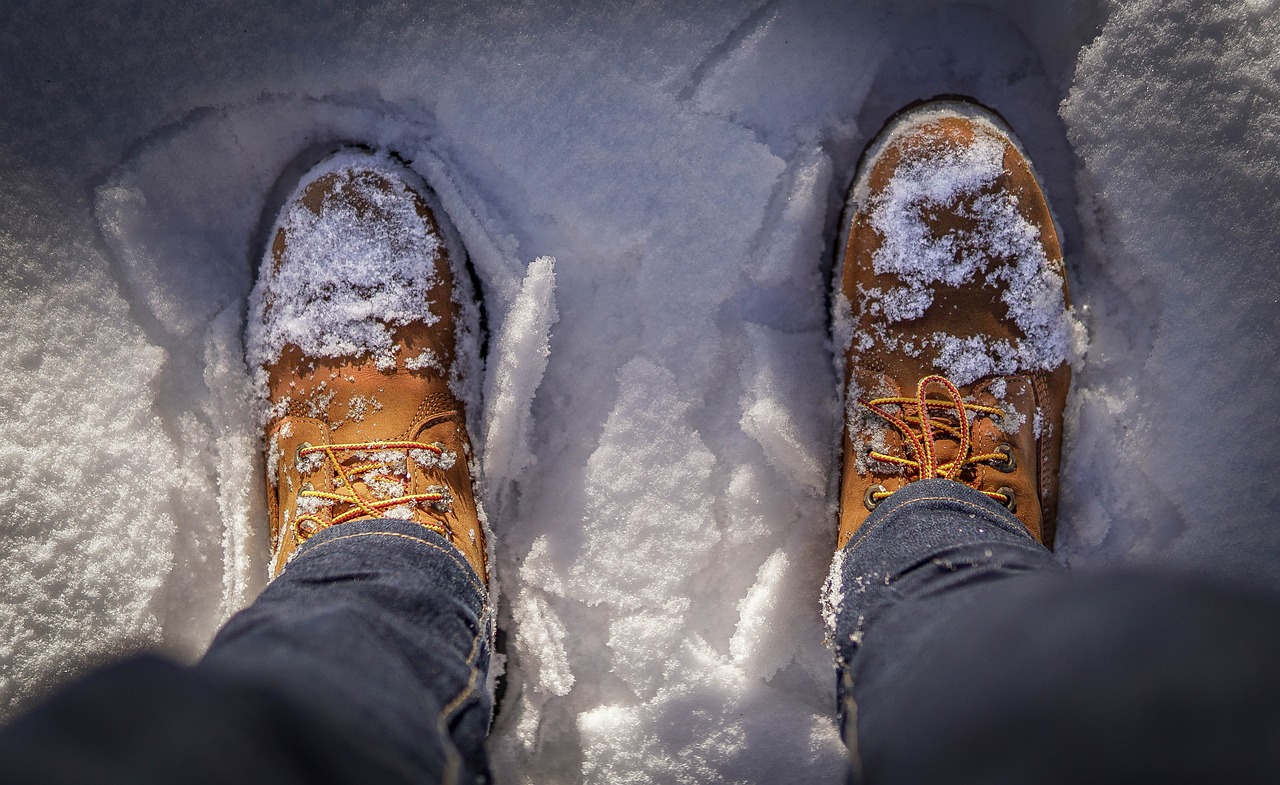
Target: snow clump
343	282
997	245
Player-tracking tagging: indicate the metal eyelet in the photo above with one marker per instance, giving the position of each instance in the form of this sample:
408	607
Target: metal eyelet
443	505
298	457
1009	464
307	528
868	498
306	486
1010	499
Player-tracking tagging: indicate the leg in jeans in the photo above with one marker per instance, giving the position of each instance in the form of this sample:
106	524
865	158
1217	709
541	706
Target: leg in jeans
387	619
365	661
966	654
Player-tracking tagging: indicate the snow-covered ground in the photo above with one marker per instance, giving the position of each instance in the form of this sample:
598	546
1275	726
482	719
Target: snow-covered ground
660	483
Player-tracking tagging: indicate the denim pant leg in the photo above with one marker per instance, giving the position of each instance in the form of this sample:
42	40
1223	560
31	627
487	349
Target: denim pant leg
387	619
967	655
365	661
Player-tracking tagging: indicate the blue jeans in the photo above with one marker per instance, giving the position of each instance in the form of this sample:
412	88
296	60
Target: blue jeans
365	661
966	654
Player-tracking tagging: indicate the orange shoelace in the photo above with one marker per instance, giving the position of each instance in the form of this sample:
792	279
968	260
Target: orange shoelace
921	426
435	497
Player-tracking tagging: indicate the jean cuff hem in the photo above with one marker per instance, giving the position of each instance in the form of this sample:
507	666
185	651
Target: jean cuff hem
400	534
939	499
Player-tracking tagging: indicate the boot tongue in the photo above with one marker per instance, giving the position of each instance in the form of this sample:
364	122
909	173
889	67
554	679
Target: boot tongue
946	445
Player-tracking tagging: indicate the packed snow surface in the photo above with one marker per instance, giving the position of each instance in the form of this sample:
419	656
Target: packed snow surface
662	399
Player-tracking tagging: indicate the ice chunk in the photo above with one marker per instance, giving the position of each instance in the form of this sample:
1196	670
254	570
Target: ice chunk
542	637
756	609
789	391
517	363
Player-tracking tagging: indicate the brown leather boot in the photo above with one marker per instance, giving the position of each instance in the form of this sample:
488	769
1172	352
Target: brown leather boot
953	304
353	334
